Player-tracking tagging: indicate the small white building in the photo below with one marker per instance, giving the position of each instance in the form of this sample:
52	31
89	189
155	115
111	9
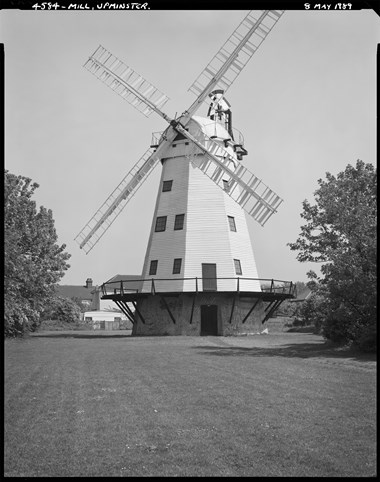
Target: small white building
105	320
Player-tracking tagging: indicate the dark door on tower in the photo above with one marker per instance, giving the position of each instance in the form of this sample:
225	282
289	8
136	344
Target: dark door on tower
209	320
209	276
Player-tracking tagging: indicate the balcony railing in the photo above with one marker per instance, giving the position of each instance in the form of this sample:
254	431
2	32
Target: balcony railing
238	137
176	285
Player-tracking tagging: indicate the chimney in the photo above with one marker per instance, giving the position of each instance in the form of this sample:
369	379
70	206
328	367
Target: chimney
89	283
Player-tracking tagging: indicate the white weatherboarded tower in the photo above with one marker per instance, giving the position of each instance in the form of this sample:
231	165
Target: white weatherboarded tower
199	274
198	231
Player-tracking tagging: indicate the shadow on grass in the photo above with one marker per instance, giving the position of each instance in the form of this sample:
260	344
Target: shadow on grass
297	350
78	334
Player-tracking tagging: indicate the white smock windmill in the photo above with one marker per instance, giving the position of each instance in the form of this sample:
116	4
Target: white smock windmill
199	259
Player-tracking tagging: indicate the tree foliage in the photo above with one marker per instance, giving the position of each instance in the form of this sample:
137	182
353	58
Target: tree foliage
33	262
82	305
340	231
62	309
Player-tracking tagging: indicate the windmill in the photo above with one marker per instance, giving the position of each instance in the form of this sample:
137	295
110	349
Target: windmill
199	273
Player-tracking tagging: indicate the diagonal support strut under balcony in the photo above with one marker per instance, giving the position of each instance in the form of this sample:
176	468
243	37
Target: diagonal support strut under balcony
192	307
272	308
250	311
168	309
126	310
233	307
138	312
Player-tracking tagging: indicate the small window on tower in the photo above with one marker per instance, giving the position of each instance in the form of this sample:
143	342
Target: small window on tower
231	222
167	186
179	220
237	266
177	266
161	223
226	185
153	266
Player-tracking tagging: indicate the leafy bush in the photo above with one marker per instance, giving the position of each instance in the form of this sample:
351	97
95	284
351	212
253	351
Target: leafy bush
62	309
299	322
313	311
19	316
367	341
334	330
83	306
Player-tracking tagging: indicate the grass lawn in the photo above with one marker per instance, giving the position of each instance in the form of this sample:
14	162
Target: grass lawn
106	404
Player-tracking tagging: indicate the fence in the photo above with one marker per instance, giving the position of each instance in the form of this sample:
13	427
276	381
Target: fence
164	285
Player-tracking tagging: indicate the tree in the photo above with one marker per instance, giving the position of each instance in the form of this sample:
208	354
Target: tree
62	309
340	231
33	261
82	305
314	310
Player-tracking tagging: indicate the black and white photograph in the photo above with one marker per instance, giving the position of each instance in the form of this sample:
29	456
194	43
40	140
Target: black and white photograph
189	240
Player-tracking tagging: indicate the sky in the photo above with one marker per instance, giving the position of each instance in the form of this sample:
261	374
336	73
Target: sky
305	104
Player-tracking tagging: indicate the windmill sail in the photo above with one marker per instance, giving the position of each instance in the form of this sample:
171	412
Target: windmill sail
116	202
257	199
127	83
229	61
244	187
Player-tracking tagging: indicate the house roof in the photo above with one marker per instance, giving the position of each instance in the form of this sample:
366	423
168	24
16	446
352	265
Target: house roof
130	282
75	291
